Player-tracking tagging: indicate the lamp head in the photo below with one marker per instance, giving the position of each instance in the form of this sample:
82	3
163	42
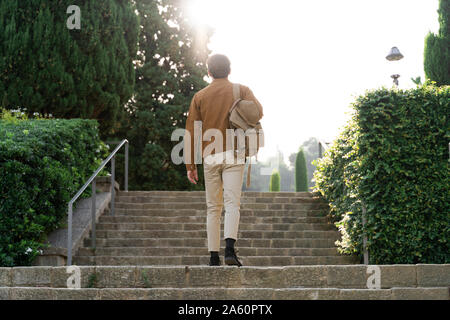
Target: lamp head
394	54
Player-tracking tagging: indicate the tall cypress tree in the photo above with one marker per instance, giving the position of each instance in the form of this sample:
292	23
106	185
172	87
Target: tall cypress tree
437	48
170	69
275	182
47	68
301	175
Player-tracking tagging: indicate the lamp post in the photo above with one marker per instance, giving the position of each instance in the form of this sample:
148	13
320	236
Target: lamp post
394	55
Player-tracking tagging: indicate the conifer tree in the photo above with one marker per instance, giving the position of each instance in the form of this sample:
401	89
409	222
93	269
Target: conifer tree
80	73
437	48
275	183
301	175
170	69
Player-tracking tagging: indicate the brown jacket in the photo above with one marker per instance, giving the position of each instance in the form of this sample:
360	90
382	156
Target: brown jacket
211	106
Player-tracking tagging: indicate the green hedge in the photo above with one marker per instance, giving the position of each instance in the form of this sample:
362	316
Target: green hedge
393	156
42	165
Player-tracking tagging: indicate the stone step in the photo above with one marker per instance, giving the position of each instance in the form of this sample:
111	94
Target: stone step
202	194
202	206
204	260
203	242
200	219
188	199
202	213
169	228
202	226
332	234
313	276
223	294
196	251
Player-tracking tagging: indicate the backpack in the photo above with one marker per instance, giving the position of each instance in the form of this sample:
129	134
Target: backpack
244	114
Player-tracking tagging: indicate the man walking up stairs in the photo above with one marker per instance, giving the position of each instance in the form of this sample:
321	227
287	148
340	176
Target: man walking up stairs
223	178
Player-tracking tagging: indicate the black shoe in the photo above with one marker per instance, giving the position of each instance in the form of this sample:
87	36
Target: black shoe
214	261
231	259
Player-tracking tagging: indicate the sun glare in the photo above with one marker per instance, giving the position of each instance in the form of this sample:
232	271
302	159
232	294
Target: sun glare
201	12
301	48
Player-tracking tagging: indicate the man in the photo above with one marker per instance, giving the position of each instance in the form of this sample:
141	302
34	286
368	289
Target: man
223	178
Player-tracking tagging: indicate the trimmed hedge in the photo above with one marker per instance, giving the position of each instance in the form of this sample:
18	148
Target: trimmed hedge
393	156
42	165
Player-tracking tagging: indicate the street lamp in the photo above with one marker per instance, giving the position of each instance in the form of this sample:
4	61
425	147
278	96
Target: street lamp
394	55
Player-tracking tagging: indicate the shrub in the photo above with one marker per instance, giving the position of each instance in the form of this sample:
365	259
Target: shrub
42	165
392	157
301	175
275	182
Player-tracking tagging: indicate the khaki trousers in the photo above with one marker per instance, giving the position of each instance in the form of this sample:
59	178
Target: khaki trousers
223	186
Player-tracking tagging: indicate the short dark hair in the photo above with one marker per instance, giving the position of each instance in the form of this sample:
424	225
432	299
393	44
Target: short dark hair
218	66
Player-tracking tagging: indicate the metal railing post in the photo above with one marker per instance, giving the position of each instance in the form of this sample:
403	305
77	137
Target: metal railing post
364	221
93	210
126	167
111	158
113	174
69	237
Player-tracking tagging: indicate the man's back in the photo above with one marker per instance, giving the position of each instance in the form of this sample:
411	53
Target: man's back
211	106
223	181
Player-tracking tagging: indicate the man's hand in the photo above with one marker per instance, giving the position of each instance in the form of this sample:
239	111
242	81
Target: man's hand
192	176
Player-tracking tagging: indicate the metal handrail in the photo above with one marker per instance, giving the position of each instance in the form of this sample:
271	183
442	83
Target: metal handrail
111	157
322	147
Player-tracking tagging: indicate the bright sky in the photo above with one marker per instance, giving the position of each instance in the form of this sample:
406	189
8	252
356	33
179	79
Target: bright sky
306	60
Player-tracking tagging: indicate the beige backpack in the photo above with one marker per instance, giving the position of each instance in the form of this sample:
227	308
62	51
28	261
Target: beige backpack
245	115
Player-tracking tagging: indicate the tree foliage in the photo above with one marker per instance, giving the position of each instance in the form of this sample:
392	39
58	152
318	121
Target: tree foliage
437	48
171	67
311	151
301	175
47	68
392	158
274	182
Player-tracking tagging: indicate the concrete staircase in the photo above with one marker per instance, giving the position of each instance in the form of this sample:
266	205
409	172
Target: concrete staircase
344	282
169	228
155	248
